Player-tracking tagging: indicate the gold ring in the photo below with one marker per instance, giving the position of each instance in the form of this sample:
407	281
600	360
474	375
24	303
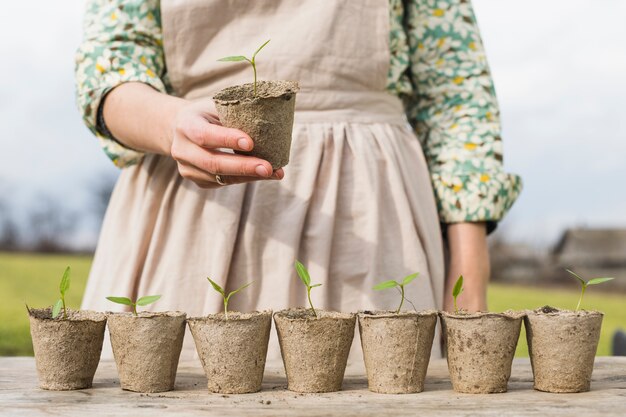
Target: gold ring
219	179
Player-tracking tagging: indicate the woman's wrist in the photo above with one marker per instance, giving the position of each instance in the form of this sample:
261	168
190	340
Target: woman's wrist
468	256
141	118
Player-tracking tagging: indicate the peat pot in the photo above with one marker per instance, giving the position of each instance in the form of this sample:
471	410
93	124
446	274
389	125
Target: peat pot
67	350
396	349
562	346
232	350
146	348
314	349
480	349
267	117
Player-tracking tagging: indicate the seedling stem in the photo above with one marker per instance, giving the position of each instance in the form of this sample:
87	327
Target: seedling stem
142	301
225	296
394	284
456	291
252	61
584	284
303	273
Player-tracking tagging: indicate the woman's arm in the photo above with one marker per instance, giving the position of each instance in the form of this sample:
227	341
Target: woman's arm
468	256
457	119
187	131
122	80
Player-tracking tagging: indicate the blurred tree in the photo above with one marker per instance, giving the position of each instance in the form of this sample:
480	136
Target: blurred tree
51	226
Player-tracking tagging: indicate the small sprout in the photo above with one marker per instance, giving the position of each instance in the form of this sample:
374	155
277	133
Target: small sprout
219	289
252	61
306	280
456	291
63	287
143	301
395	284
585	284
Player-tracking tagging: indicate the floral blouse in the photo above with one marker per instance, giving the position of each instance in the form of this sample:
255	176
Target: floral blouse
438	67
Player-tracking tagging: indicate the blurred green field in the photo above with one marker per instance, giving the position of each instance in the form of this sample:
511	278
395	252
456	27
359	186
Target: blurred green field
34	279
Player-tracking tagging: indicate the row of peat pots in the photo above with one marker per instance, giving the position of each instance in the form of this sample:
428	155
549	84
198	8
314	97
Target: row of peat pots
396	348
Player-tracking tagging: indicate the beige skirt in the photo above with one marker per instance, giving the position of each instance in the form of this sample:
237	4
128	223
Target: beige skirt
355	206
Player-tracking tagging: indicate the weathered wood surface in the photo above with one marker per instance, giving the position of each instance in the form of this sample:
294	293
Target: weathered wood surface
20	396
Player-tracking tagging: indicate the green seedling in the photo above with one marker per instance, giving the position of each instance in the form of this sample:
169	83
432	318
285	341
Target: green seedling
585	284
306	280
400	285
226	298
63	287
252	61
143	301
456	291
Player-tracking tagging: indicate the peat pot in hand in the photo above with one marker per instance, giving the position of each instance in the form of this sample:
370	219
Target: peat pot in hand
232	349
146	348
480	349
266	116
396	349
67	349
562	346
314	347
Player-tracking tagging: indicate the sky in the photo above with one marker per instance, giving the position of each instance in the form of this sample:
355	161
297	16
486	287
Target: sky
560	73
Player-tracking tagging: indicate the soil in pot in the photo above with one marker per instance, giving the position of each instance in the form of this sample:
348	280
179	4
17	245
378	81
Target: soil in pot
266	117
314	349
396	349
233	350
562	346
146	348
67	351
480	349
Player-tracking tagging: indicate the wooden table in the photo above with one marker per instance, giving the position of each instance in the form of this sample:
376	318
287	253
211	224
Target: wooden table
20	396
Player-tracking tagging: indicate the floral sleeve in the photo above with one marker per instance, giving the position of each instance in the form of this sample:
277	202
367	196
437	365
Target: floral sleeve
455	112
122	43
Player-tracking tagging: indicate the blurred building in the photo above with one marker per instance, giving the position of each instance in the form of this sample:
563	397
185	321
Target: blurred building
588	252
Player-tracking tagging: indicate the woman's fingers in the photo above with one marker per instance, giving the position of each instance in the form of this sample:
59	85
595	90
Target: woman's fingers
212	136
205	180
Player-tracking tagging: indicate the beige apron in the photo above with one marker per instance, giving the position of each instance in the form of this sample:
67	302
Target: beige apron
355	206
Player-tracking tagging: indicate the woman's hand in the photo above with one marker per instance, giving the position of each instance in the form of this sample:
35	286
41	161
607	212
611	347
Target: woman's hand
149	121
468	256
199	147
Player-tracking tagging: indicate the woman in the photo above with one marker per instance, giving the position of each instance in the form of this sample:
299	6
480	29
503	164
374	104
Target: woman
362	198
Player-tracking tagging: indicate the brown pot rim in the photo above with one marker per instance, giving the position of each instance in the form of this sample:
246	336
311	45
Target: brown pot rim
299	314
548	311
291	88
509	314
147	314
390	314
235	316
45	314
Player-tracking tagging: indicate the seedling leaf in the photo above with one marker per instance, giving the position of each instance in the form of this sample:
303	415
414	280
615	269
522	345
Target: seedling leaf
458	287
385	285
56	308
582	281
260	47
148	299
399	286
236	58
409	278
216	286
65	281
303	274
252	61
595	281
240	288
121	300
